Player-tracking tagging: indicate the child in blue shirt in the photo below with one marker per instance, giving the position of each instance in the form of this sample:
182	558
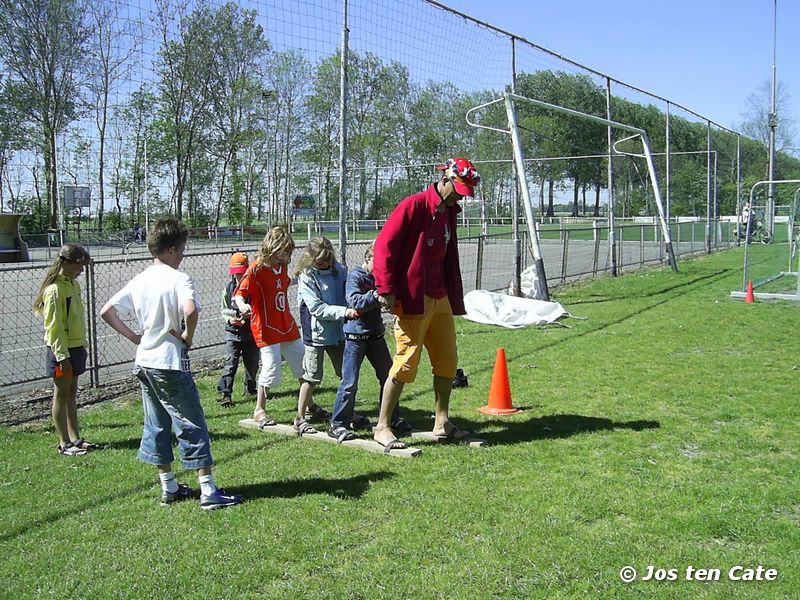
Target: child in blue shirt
321	284
364	337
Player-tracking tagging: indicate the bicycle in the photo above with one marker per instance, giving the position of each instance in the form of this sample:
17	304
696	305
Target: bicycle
758	233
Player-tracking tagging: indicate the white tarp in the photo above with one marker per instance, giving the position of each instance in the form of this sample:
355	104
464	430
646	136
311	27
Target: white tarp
509	311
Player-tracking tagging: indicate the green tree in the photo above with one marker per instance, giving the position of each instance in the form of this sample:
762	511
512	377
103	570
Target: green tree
235	87
184	67
757	117
43	45
322	134
109	62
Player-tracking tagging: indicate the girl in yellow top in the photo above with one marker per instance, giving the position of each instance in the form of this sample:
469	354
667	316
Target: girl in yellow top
59	302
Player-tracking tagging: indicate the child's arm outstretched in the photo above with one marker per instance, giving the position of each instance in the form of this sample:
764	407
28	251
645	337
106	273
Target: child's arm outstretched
360	294
321	310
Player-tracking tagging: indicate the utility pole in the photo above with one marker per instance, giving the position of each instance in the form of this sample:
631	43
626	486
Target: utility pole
773	123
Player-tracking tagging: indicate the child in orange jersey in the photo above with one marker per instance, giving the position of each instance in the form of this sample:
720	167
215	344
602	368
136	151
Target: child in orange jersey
265	286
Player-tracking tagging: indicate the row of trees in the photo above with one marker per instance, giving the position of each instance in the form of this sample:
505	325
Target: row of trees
218	127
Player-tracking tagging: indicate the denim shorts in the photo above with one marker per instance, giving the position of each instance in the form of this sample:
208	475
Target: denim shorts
171	402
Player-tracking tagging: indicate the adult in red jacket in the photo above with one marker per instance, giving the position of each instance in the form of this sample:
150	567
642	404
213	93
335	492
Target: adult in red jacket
418	279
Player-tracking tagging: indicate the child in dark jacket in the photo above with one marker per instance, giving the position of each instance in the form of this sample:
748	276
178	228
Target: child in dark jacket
364	337
239	341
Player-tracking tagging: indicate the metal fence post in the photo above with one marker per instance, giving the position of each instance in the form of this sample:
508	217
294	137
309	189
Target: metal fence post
479	269
709	209
596	237
91	311
564	254
343	137
641	245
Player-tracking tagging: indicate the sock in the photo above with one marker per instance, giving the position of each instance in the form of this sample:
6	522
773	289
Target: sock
168	482
207	485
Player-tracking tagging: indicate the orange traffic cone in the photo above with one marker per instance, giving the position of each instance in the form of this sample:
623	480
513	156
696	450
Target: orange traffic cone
500	392
749	298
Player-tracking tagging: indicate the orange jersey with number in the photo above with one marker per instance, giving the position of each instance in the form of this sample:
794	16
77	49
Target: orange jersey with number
267	288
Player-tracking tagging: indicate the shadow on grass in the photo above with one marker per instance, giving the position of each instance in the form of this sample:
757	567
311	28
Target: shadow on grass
551	426
216	437
350	488
705	279
124	494
664	294
535	428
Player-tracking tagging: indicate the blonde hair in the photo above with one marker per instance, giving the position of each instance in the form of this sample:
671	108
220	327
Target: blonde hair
370	251
319	249
69	253
276	241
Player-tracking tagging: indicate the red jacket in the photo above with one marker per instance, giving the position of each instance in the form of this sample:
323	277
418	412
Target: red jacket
399	264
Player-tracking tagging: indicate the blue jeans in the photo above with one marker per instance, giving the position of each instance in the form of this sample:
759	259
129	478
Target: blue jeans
377	352
171	402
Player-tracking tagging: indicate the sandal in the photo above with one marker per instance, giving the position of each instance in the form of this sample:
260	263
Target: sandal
394	444
303	427
317	412
402	426
452	434
226	401
341	434
71	450
361	422
82	444
264	420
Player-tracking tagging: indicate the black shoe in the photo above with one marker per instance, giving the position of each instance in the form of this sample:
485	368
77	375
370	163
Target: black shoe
184	492
460	379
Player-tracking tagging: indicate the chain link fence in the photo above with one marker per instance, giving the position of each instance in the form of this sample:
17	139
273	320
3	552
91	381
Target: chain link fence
570	253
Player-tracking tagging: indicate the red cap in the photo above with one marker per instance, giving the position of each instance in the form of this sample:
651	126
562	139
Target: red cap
238	263
462	173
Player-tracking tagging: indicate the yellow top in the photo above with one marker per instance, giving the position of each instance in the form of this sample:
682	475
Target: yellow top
63	317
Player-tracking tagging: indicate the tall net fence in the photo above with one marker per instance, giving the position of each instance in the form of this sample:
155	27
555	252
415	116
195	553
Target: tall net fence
230	116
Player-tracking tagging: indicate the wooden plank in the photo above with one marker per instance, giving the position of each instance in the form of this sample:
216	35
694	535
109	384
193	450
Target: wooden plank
322	436
472	442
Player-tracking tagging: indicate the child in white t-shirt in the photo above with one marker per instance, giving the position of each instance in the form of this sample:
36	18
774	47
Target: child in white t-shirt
165	304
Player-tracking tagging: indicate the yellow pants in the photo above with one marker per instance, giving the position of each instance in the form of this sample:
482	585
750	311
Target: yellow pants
435	330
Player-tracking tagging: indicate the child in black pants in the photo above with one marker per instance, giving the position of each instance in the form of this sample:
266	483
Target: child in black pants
238	337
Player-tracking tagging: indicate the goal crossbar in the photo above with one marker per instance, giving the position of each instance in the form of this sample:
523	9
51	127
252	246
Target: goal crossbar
509	100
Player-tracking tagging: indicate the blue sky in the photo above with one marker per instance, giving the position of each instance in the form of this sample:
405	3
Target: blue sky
707	55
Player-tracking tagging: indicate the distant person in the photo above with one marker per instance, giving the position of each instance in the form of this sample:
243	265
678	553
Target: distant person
749	221
239	341
59	303
364	338
164	302
419	279
321	281
262	296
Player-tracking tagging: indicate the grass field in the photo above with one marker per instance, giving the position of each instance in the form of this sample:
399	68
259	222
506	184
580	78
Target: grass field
660	431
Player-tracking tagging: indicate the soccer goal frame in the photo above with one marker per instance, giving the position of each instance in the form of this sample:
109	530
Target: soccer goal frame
794	267
509	101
